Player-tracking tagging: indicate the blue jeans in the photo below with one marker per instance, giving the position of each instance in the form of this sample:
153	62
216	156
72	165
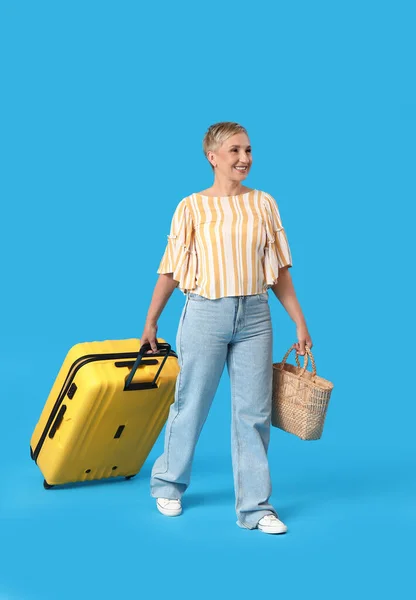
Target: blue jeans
235	330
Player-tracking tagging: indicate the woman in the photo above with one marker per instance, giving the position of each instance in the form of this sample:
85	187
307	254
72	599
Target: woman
226	247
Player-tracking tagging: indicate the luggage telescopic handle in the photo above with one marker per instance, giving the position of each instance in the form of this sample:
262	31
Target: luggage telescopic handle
163	350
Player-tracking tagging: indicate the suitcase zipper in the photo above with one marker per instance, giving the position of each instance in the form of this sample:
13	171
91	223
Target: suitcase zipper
75	367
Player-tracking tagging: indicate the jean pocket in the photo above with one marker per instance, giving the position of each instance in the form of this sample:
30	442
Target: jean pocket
263	297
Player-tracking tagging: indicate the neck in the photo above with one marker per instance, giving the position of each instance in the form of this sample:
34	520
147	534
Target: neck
227	188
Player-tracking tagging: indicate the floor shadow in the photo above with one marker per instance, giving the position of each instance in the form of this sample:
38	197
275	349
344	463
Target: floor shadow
192	499
93	483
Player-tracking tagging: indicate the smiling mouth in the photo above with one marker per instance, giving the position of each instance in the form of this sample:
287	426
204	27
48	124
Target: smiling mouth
241	169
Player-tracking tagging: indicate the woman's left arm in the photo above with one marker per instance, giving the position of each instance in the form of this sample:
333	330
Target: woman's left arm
285	293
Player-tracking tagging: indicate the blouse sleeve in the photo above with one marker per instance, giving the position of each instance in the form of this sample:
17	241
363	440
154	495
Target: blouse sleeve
277	252
180	256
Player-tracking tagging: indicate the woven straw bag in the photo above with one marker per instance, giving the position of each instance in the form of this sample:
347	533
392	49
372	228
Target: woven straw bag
300	398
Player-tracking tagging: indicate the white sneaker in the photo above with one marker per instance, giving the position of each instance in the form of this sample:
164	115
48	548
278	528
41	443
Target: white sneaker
170	508
271	524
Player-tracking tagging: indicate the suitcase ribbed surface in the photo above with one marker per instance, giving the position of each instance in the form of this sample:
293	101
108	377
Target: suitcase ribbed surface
105	431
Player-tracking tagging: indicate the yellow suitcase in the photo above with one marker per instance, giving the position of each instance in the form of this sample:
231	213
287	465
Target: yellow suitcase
105	411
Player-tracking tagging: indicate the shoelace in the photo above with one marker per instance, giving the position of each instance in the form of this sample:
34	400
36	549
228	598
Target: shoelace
166	501
270	519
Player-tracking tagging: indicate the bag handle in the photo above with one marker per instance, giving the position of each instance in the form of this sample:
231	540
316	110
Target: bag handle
163	350
308	354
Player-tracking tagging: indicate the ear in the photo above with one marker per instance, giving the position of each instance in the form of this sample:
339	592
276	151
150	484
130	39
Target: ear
211	157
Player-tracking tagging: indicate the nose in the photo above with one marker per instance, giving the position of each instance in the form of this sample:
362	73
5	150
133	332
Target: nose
244	160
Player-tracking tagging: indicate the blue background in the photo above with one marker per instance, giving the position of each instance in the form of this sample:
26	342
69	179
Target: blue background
104	107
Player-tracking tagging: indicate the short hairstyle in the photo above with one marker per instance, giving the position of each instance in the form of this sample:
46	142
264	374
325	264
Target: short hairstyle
217	134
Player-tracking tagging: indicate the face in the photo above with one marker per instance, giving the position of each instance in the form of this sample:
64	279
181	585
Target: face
234	152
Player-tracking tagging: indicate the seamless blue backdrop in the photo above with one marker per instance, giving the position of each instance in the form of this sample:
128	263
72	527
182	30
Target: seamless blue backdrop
104	107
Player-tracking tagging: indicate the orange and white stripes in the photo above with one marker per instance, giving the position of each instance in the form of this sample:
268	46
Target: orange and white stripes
226	245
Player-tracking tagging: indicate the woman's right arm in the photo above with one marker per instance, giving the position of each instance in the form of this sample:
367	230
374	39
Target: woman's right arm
163	290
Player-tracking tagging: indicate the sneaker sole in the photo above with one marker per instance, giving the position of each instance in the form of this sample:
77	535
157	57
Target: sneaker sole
271	529
167	512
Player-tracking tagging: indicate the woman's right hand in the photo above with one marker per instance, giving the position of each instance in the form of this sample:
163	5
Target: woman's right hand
149	336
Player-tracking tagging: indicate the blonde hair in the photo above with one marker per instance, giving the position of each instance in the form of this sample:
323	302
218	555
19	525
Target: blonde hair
217	134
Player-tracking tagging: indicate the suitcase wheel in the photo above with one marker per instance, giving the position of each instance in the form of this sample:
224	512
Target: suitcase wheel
46	485
131	476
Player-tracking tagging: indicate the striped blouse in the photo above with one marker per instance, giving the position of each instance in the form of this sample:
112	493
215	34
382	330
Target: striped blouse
226	245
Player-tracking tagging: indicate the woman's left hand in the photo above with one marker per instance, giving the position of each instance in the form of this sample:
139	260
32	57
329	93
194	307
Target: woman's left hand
304	338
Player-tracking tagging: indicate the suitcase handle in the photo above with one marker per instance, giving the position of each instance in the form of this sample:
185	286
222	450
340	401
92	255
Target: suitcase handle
163	350
130	363
58	421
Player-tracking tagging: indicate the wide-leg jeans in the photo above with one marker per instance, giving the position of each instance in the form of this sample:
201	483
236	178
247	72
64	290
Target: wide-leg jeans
236	331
